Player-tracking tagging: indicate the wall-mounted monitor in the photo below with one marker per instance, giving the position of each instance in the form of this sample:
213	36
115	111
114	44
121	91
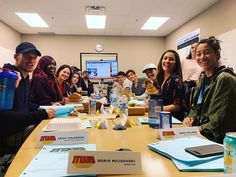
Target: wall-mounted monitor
101	68
99	65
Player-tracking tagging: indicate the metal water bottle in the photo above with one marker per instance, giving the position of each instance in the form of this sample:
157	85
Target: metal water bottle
230	153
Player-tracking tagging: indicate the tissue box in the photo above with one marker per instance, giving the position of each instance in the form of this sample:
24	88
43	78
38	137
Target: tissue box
135	111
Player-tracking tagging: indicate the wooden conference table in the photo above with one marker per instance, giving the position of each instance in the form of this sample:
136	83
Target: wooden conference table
135	138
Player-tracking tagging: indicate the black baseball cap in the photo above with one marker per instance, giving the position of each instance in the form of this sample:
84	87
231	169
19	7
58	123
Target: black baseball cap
25	47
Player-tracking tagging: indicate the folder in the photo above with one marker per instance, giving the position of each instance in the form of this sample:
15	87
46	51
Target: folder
212	166
175	149
60	110
144	120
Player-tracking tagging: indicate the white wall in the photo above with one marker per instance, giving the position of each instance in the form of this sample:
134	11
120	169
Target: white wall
216	20
133	52
8	41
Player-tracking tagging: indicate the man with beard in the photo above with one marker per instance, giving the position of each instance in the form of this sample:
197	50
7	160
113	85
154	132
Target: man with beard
14	126
85	84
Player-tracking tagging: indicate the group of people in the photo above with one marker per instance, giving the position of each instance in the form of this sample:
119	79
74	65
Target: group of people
47	86
212	106
166	77
51	87
213	99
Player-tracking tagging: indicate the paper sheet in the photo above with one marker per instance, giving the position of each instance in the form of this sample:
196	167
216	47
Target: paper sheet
66	124
52	161
144	120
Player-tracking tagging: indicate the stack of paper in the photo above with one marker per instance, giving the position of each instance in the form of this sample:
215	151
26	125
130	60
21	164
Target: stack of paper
52	161
175	150
65	124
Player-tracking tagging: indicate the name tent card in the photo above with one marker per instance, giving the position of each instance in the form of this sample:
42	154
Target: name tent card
104	162
62	138
171	133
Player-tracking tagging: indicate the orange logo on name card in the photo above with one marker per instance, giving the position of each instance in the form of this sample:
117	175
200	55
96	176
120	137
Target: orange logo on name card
47	139
83	161
168	134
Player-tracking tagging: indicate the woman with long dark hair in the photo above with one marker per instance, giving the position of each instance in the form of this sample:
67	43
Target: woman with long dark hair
63	76
169	81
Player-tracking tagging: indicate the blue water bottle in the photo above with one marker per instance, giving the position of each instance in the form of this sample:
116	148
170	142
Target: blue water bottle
155	106
7	88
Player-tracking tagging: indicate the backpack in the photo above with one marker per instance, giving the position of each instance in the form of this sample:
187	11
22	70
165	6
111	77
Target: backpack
5	161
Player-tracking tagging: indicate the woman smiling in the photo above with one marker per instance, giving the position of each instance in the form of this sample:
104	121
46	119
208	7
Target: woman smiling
213	108
169	80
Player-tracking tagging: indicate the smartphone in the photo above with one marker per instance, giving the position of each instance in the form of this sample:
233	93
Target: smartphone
206	150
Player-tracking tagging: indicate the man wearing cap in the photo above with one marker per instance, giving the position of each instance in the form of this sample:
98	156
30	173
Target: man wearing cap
14	123
151	71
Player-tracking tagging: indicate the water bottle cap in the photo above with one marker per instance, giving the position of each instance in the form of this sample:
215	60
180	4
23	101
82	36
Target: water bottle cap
7	73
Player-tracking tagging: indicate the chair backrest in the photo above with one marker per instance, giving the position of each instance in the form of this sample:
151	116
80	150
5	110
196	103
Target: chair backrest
189	87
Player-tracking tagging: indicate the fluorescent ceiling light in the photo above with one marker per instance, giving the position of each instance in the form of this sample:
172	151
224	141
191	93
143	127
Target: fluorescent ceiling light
153	23
32	19
95	21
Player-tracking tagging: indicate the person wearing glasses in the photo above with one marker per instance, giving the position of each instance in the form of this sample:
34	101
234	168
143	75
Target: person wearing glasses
14	123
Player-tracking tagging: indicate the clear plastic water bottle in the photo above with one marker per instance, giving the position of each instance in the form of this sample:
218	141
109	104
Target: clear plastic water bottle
155	106
123	106
114	99
7	88
92	105
100	86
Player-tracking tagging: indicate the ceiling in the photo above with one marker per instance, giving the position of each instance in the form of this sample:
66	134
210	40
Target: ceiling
124	17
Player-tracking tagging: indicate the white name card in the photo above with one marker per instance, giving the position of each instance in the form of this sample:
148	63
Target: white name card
104	162
171	133
62	138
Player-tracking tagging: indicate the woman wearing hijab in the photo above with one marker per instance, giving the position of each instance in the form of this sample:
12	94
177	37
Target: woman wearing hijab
43	84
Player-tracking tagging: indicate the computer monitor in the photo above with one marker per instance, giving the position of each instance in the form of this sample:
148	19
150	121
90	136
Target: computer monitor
102	68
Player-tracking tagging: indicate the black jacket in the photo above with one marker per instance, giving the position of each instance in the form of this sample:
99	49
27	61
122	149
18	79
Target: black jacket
90	88
23	113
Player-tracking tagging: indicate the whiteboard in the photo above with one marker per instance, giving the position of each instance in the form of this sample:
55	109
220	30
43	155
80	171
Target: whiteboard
228	48
6	56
